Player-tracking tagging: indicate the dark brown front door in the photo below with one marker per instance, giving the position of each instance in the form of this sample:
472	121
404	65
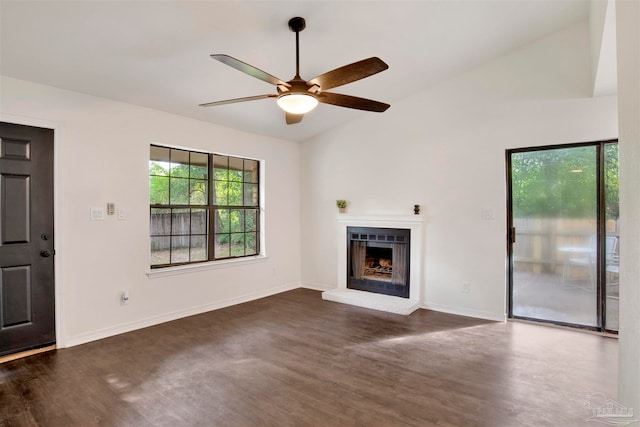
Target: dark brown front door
27	297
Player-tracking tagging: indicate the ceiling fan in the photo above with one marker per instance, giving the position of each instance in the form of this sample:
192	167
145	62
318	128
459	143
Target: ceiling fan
298	96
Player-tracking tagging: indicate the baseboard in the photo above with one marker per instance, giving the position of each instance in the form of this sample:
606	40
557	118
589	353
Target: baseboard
465	312
168	317
429	306
316	286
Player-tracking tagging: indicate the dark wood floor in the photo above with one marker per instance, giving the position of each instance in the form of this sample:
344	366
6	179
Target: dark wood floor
296	360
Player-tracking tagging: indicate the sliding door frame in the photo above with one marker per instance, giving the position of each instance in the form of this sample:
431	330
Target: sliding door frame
600	232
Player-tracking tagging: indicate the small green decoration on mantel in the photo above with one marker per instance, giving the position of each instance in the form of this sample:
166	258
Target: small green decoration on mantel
342	205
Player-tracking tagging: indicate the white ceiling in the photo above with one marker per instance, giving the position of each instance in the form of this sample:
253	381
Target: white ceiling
156	53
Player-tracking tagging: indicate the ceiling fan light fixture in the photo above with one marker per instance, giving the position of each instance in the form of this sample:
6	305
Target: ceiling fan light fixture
297	103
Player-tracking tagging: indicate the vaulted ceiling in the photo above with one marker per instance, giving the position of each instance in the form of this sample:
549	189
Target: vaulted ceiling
156	54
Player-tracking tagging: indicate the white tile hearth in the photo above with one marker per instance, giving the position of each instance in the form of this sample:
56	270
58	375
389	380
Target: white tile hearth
371	300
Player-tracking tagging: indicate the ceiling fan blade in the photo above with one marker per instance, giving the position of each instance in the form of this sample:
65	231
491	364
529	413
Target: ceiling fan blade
349	73
292	119
249	69
235	100
349	101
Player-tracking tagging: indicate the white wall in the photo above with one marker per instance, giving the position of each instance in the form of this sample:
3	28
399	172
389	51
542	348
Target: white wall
445	150
103	155
628	41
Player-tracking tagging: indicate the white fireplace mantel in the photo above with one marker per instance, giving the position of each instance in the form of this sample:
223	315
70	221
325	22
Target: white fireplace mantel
410	222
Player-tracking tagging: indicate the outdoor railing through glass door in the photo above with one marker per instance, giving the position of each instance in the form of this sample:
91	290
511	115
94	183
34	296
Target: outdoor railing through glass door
563	229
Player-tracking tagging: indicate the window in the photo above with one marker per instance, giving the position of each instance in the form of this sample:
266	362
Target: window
203	207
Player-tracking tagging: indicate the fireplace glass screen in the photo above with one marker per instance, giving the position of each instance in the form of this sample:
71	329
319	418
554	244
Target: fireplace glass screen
379	260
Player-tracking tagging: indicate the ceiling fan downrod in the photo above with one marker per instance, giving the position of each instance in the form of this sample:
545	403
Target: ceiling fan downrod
296	25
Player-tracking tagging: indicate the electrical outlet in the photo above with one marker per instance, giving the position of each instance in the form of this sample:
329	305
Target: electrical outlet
487	213
466	287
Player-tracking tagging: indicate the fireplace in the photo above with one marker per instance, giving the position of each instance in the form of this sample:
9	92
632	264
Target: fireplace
378	260
411	223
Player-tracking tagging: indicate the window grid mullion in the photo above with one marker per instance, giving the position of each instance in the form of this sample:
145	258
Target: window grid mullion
210	208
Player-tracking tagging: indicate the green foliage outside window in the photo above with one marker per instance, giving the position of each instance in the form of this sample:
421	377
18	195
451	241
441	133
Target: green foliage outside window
562	183
179	189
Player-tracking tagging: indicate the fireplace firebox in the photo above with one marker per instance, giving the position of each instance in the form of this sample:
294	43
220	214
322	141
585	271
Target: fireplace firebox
378	260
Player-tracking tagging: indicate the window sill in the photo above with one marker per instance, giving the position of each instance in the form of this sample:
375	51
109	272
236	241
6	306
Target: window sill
212	265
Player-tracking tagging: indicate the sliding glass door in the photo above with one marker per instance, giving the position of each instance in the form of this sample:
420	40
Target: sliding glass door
563	239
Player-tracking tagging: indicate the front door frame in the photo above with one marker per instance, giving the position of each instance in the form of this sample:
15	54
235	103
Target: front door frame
57	222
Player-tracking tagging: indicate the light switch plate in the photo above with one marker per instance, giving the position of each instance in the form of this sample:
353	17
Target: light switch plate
97	214
122	214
